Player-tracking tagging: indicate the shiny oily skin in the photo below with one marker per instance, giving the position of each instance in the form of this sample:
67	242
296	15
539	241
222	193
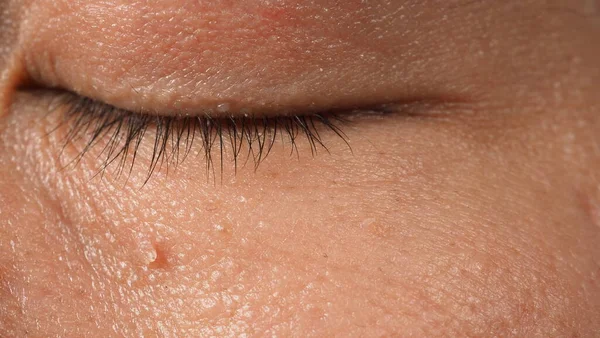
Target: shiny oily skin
463	220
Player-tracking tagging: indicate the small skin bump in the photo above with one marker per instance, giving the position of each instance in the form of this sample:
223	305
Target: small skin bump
152	254
160	259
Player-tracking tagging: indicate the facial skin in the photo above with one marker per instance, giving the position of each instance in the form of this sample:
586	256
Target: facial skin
472	211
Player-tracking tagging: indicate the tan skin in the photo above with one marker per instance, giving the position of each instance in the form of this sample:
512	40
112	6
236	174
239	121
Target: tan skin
472	210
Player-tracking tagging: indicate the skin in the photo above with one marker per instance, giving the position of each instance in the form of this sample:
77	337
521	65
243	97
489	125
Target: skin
473	210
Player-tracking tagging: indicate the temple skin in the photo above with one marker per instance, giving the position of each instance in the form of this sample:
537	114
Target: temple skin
474	210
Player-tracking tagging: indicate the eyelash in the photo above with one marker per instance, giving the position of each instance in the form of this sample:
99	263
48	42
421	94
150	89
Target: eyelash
174	136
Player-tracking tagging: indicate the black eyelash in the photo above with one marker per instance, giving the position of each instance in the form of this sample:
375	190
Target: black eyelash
174	136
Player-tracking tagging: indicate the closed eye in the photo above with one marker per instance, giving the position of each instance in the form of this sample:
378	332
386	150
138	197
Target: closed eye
119	134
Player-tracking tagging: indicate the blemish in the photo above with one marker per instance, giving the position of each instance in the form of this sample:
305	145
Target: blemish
152	254
160	260
147	251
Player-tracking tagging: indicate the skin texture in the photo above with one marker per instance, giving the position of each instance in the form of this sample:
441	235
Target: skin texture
473	210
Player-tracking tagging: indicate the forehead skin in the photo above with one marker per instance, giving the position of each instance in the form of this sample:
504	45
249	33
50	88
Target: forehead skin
473	219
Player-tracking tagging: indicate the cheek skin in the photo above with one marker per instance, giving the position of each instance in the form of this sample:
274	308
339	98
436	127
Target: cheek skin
482	226
426	229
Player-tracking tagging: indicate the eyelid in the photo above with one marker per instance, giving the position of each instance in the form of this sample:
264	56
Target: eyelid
236	55
173	137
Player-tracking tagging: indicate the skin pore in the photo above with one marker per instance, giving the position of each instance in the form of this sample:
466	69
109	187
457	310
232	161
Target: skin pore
472	209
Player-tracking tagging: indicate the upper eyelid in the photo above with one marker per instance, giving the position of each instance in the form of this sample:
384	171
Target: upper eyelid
133	67
66	95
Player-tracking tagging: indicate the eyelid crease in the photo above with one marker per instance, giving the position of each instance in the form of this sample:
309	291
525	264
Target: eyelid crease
122	133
